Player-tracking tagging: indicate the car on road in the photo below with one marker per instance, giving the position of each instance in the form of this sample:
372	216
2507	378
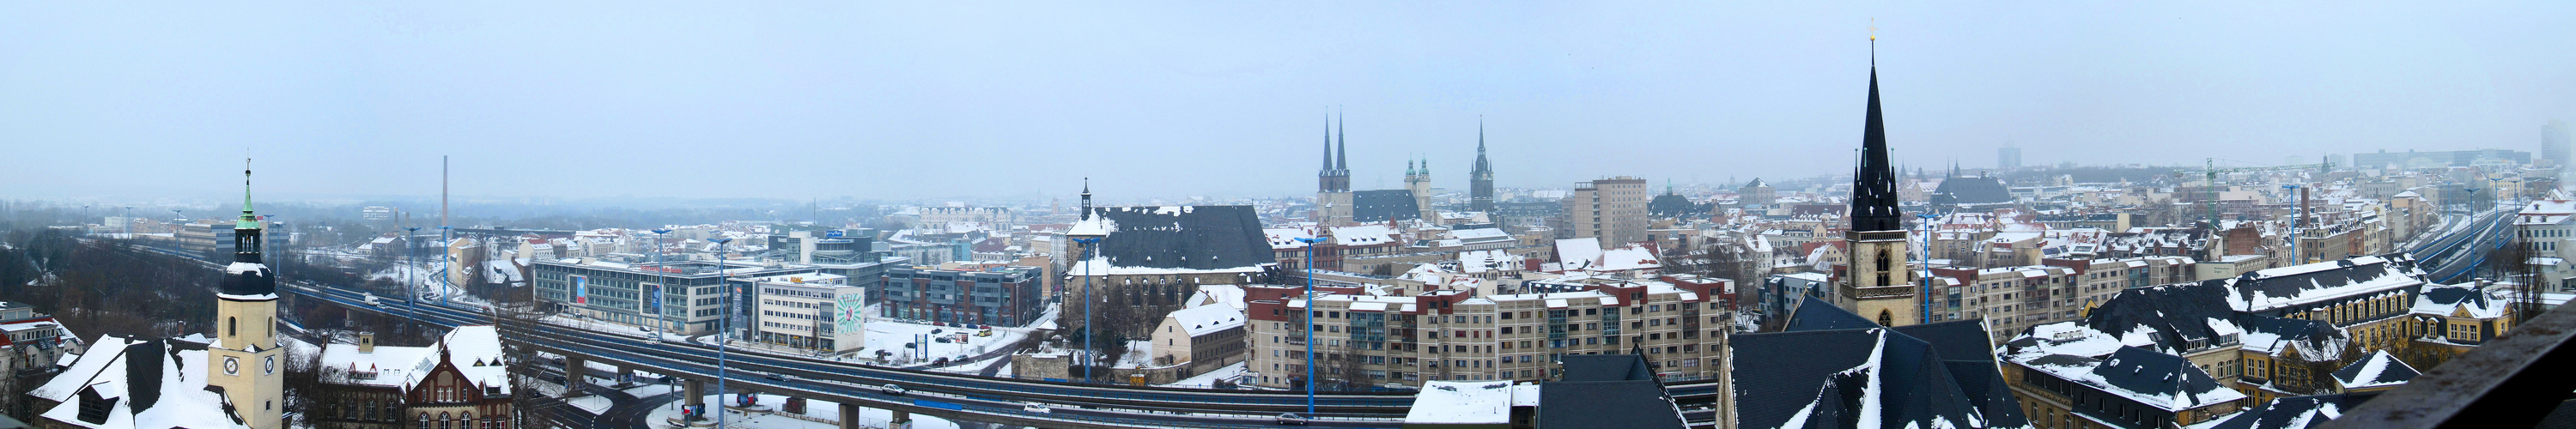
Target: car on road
370	297
891	390
777	376
1036	408
1292	419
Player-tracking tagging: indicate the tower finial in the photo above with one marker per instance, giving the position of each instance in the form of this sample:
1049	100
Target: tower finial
1873	42
248	220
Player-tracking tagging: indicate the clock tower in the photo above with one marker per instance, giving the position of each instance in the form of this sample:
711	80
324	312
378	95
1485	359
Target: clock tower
244	361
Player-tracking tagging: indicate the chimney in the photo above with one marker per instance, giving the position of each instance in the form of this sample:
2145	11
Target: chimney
366	342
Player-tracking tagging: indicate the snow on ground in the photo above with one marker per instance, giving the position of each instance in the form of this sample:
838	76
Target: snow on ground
819	410
547	388
649	390
1208	380
891	334
594	404
1139	353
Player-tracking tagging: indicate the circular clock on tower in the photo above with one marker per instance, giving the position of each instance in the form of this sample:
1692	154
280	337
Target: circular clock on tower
268	365
232	365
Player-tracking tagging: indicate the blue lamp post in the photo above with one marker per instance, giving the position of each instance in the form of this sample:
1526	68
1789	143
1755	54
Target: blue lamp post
726	328
661	276
1089	335
1310	320
1925	292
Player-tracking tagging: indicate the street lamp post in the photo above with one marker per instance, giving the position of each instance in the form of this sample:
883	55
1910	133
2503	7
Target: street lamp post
1309	326
1089	334
411	292
1924	292
725	330
661	276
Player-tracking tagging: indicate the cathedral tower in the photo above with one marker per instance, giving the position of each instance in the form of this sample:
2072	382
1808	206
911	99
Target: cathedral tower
1480	179
244	359
1333	183
1417	180
1877	284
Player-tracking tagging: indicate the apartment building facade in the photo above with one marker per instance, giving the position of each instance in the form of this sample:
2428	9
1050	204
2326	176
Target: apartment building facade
1453	335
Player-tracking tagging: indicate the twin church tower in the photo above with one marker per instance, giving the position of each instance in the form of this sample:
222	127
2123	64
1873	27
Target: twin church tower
1337	205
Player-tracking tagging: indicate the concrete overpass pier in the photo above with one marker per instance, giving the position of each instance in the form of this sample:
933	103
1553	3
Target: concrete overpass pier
696	391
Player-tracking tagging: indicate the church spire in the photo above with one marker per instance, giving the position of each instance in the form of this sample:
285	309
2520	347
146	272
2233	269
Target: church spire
248	220
1874	186
1342	161
1328	144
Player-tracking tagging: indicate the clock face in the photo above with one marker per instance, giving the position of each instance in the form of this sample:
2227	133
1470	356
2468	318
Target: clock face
232	366
268	365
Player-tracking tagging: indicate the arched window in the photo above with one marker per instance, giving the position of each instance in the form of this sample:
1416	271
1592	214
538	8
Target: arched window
232	326
445	421
1886	318
1882	259
424	421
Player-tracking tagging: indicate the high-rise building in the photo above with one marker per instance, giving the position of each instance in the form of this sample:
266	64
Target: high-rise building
2554	144
244	361
1877	284
1480	181
1612	210
2008	157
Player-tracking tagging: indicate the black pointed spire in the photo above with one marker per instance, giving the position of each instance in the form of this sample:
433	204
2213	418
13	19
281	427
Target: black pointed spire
1328	143
1342	161
1874	185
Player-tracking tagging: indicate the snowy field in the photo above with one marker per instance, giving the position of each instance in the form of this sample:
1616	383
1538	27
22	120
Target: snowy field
818	410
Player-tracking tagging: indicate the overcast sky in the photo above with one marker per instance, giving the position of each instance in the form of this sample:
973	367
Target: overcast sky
943	99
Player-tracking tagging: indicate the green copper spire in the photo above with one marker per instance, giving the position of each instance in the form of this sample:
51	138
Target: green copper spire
248	220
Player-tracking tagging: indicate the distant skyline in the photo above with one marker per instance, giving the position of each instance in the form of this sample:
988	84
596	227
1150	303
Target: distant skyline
906	101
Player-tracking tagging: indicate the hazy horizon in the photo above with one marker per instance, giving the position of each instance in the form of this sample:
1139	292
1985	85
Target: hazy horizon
930	101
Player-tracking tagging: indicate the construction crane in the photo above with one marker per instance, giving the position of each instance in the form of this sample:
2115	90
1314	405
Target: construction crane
2209	199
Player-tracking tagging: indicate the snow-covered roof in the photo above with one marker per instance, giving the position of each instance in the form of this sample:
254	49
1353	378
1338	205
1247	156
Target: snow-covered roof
173	393
475	351
1460	402
2446	301
1363	235
2379	369
1207	319
2159	380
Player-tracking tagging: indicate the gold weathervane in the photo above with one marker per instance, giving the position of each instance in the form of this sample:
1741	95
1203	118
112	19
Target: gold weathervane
1873	29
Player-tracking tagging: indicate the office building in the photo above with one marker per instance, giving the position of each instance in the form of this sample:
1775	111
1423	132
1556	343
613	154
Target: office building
1005	296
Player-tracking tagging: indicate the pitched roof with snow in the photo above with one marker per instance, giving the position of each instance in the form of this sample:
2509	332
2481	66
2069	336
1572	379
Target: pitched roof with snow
1207	319
2380	369
152	383
2445	301
1182	238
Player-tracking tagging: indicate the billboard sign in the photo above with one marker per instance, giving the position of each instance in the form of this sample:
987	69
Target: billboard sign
580	290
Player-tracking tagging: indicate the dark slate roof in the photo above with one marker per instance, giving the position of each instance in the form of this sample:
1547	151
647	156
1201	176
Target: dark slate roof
2453	295
1610	367
1792	370
1195	237
2181	311
2149	373
2395	371
1669	205
1612	390
2297	412
2248	285
1960	340
1383	205
1607	404
1816	315
1970	191
1986	390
